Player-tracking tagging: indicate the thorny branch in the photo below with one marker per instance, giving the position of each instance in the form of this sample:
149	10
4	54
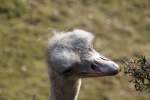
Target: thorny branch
138	69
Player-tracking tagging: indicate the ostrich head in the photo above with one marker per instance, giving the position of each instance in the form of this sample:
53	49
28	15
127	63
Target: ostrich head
72	54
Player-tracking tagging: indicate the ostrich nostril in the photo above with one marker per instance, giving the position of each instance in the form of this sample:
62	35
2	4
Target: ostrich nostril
103	58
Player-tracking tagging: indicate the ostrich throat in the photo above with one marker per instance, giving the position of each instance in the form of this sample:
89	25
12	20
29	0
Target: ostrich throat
64	88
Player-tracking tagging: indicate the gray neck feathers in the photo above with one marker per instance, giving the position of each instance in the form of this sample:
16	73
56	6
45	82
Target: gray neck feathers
64	88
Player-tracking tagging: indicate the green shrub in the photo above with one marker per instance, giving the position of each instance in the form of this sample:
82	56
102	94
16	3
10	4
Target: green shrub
139	70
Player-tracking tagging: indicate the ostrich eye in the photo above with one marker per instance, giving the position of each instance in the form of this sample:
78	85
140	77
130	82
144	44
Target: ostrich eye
90	49
67	71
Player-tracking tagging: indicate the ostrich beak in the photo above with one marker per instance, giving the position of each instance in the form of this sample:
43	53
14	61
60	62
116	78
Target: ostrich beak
103	66
100	66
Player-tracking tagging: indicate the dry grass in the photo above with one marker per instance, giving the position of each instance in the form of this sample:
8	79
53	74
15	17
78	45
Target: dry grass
122	29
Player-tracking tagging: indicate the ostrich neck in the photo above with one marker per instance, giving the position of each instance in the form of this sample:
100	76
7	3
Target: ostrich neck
64	88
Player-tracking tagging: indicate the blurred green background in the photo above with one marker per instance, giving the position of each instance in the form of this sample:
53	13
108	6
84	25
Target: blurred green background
122	30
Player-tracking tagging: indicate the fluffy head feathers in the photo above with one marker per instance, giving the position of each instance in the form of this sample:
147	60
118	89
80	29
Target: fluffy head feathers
67	48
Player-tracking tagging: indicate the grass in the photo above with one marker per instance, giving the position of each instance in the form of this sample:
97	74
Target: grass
122	29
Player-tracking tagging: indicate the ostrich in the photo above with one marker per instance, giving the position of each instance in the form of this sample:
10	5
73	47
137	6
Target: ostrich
71	57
